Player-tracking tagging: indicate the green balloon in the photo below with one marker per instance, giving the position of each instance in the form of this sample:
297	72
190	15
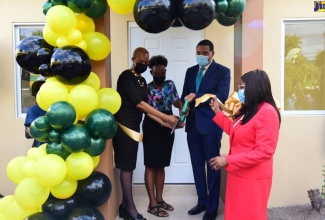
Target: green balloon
101	123
221	6
42	124
98	9
58	149
55	135
46	6
37	134
96	146
61	115
79	6
226	21
59	2
75	138
235	8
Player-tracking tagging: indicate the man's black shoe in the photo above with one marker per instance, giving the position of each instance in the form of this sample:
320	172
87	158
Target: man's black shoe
210	216
196	210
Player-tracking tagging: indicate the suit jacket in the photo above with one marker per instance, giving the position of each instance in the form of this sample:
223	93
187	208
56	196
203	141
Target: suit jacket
216	81
252	145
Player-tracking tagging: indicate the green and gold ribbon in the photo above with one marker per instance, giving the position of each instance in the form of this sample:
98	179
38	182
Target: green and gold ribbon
132	134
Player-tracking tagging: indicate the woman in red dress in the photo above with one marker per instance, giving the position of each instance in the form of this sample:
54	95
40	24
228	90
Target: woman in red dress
253	137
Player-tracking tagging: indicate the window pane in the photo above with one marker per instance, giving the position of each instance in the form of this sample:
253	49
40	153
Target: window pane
304	65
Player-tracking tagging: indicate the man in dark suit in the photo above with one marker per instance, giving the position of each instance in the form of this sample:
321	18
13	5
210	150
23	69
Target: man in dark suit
204	136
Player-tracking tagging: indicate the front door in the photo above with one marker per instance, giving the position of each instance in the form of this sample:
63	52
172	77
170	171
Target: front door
178	46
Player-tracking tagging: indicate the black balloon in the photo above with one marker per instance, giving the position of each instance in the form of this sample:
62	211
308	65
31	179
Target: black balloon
27	53
94	190
85	213
154	17
41	216
47	205
235	8
196	14
70	65
60	209
226	21
45	70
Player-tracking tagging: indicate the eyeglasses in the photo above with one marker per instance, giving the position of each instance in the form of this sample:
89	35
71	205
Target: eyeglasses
240	86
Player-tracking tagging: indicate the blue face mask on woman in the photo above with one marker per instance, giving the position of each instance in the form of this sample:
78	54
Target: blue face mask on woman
241	95
202	60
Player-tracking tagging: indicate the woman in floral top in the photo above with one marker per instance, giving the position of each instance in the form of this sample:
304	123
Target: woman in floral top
157	139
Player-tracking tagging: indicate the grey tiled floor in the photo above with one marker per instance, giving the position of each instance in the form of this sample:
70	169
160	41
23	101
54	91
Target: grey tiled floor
181	204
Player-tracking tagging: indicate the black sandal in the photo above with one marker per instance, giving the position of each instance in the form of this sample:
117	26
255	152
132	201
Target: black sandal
159	211
164	205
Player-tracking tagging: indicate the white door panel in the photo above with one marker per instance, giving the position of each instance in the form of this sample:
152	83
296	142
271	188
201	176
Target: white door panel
178	46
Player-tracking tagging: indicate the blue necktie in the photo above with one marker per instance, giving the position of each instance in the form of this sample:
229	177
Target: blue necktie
199	78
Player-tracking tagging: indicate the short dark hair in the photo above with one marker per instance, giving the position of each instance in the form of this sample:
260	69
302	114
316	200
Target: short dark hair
139	50
206	43
158	60
257	90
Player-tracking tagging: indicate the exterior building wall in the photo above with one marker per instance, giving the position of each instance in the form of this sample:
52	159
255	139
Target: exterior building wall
300	155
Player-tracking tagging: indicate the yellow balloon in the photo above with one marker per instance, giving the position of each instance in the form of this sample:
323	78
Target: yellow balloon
62	41
50	36
83	98
65	189
109	99
51	92
29	168
30	194
85	24
75	36
35	153
98	45
79	165
82	44
93	81
61	19
50	170
15	169
96	160
122	7
5	203
43	146
2	216
16	211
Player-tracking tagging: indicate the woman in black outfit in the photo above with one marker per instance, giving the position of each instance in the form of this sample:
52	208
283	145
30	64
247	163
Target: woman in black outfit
133	91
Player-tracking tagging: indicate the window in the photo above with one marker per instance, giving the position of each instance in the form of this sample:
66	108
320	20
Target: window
24	79
304	66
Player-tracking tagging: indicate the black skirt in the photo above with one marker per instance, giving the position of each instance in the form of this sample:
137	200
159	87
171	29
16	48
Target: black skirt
157	143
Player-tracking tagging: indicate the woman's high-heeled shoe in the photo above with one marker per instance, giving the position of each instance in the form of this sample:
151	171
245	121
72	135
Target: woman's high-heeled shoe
122	212
139	217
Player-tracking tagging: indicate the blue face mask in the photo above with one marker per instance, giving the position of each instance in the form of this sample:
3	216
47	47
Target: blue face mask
241	95
202	60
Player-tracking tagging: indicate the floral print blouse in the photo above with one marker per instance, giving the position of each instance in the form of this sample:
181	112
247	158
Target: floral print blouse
164	99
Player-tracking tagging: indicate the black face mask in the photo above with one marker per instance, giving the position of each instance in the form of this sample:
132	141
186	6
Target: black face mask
159	80
140	68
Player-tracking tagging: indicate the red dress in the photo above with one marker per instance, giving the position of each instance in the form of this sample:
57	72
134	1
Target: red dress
250	163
